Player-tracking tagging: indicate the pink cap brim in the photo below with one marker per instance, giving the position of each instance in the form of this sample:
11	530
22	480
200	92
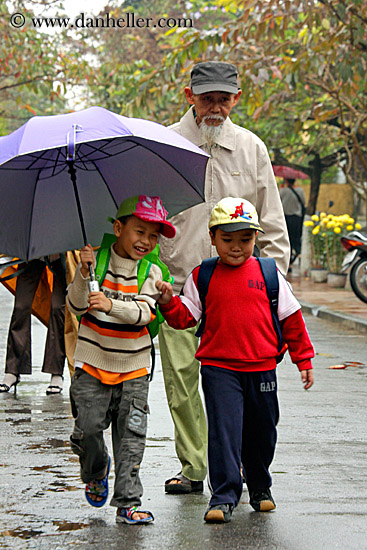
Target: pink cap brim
167	230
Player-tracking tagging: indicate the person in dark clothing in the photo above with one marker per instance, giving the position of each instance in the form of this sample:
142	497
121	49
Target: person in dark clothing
293	201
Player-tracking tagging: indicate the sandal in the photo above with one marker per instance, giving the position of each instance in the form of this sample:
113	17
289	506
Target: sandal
53	390
184	485
56	385
5	388
125	515
99	488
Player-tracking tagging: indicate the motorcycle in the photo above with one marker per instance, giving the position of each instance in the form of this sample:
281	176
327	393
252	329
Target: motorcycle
356	245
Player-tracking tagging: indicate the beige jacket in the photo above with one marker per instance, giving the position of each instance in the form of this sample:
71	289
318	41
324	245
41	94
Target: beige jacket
239	167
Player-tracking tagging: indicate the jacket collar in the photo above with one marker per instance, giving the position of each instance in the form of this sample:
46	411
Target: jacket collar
190	130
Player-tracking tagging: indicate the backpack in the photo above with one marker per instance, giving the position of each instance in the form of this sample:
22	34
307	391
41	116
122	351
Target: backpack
144	265
269	272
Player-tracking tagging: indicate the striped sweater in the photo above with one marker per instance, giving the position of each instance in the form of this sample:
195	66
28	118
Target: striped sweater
118	341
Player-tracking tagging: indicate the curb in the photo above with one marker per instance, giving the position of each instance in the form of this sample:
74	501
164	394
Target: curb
344	319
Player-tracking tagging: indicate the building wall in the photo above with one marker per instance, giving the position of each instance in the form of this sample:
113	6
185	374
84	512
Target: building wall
341	195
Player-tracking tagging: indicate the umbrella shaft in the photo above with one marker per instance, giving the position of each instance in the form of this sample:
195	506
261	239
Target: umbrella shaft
72	173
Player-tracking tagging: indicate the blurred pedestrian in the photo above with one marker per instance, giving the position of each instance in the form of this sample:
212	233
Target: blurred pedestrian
19	347
294	206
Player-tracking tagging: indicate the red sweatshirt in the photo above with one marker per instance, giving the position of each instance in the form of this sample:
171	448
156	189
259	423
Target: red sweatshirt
239	333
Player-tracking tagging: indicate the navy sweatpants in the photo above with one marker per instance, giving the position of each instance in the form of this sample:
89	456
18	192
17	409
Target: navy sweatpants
242	410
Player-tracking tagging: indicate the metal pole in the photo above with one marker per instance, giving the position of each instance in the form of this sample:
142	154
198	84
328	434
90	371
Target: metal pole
72	173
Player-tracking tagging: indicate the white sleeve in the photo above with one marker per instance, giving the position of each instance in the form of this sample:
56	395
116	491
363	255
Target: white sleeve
287	303
191	298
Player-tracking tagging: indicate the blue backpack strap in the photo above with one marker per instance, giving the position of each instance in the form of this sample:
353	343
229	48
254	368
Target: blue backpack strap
269	272
206	270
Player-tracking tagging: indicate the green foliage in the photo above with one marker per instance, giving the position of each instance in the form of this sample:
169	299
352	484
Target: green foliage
303	78
36	69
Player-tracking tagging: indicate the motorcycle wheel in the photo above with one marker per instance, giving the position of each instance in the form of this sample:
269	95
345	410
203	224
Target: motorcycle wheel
358	279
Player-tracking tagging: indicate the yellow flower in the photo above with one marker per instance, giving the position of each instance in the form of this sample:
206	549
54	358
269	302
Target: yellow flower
331	224
349	227
316	230
358	226
309	223
323	215
315	218
337	230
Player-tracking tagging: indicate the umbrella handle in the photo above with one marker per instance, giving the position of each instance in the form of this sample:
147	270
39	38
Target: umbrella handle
91	271
93	285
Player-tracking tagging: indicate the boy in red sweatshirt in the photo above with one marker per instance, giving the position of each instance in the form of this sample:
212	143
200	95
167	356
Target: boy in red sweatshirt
238	351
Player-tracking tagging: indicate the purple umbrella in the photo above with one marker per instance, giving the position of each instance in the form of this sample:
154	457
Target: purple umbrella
62	176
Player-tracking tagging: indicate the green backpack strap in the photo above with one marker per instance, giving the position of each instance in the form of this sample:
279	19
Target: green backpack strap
103	257
144	266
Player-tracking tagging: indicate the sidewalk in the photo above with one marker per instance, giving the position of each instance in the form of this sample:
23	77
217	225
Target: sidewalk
333	304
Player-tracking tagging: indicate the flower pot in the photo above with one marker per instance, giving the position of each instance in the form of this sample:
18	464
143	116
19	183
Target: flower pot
336	280
318	275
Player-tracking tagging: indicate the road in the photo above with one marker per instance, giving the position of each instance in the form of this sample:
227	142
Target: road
319	471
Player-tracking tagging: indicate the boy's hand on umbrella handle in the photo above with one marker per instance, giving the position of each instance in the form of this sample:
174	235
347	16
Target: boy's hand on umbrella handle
97	300
86	258
307	378
166	292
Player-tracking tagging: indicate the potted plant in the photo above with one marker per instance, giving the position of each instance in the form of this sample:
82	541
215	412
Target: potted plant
318	251
327	253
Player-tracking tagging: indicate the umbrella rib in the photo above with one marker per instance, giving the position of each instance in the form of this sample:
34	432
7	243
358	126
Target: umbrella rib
31	218
173	167
56	160
106	184
29	167
100	150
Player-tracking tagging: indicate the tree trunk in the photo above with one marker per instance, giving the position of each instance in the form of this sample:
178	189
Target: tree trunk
316	167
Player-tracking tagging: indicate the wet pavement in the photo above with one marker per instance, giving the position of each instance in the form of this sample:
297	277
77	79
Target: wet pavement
339	305
318	471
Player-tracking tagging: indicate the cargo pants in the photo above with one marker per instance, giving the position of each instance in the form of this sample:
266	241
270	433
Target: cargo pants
124	406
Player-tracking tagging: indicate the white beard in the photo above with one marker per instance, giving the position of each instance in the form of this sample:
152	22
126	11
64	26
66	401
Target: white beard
211	133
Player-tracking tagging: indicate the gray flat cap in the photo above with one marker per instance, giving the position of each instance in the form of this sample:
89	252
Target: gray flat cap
214	76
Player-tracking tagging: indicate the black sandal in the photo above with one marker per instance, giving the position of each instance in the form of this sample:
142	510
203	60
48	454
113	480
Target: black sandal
184	485
4	388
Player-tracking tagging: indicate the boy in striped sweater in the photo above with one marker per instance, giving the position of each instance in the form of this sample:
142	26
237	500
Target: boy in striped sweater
112	357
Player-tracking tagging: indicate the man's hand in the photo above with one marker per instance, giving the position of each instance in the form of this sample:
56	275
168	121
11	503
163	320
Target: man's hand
307	378
100	302
86	258
166	292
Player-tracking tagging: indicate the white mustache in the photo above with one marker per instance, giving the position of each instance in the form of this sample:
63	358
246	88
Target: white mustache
213	117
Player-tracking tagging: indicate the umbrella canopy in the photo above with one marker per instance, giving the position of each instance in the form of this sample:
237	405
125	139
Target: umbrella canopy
289	173
62	176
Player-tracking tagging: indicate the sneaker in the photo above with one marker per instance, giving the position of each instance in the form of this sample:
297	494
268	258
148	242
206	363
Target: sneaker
221	513
262	501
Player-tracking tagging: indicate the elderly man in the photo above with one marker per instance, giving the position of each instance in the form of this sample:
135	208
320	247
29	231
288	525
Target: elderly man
239	166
